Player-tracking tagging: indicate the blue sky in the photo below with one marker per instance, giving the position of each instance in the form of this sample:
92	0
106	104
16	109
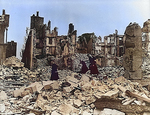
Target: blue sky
99	16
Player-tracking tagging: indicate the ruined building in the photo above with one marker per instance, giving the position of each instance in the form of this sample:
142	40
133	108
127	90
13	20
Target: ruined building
86	43
132	59
146	37
7	49
113	47
108	52
114	44
42	41
61	45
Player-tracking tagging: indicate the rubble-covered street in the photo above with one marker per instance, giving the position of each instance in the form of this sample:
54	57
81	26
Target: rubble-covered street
23	91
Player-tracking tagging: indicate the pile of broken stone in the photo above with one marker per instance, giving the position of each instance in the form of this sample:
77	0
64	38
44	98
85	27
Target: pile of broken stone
22	91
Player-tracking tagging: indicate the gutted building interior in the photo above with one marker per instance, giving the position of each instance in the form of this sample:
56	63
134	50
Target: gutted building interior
7	49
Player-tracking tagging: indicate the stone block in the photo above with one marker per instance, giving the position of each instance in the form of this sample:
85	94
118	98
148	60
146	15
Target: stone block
1	73
108	111
73	84
47	85
85	78
47	107
32	76
25	98
3	95
40	102
55	85
73	74
98	94
35	87
25	92
86	87
110	82
97	112
2	107
92	105
59	94
18	92
122	89
90	100
55	113
146	113
79	95
77	103
47	82
67	89
103	88
120	80
86	113
72	79
65	109
75	111
112	93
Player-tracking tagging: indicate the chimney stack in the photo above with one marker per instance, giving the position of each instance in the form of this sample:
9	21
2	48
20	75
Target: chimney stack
37	13
3	12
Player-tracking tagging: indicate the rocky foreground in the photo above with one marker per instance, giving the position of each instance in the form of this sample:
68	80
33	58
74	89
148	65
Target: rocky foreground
31	92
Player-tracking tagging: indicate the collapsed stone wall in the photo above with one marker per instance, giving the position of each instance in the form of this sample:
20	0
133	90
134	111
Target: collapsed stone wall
132	59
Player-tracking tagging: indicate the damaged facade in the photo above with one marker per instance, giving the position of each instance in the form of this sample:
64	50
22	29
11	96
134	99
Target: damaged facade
108	53
42	42
60	45
86	43
132	59
146	36
7	49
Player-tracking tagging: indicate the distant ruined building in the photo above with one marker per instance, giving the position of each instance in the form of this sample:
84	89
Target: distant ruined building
113	47
7	49
146	37
108	52
86	43
42	42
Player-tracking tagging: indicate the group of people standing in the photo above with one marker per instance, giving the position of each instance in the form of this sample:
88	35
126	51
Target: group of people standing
92	67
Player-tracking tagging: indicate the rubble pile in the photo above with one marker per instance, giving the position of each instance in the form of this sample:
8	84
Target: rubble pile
76	61
8	73
42	63
13	62
110	72
23	91
74	94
